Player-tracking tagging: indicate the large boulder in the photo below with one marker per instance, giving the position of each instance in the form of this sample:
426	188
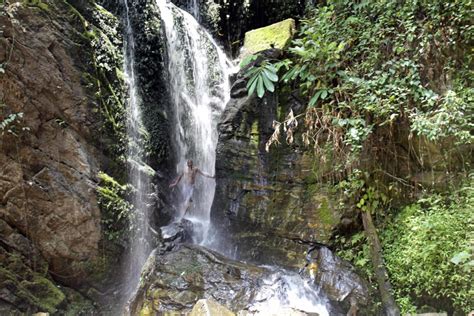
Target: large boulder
176	280
277	35
337	278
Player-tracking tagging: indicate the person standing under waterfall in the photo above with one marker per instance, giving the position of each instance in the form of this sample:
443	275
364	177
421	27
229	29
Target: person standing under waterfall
189	175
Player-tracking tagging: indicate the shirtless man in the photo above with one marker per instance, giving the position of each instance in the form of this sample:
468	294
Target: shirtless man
189	179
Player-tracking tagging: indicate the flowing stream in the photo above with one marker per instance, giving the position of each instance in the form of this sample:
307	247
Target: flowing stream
199	85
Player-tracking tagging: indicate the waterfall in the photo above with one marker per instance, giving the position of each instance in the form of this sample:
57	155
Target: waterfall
199	86
139	171
285	289
193	6
198	76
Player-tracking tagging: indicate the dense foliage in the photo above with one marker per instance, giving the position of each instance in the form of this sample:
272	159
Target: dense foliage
362	65
369	72
428	252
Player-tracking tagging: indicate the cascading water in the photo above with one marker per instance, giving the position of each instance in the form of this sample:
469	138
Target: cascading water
198	75
199	85
286	289
193	6
139	171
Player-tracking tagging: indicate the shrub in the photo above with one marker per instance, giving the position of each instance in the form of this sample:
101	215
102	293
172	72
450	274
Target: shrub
428	252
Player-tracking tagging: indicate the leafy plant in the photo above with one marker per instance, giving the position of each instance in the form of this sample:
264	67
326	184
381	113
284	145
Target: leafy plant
11	123
364	65
116	211
428	250
261	78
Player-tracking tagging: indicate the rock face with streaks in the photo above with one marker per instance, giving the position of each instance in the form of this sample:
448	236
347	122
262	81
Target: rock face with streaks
269	204
50	147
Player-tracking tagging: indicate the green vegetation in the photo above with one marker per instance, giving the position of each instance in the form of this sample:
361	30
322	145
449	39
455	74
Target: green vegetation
37	3
261	78
11	123
32	287
116	210
365	65
388	87
429	252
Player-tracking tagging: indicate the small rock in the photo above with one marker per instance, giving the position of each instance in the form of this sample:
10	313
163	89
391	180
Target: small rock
209	307
178	231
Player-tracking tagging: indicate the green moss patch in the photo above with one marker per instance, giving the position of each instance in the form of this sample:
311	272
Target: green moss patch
277	35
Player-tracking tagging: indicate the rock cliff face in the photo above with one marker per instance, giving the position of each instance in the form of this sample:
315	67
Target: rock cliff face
269	202
51	150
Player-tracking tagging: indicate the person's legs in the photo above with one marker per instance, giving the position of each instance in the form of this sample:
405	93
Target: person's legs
188	194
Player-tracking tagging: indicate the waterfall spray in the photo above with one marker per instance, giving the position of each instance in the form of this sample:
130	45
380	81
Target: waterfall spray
199	85
194	8
139	172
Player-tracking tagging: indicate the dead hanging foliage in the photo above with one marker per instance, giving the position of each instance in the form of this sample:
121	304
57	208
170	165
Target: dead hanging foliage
318	132
289	127
275	138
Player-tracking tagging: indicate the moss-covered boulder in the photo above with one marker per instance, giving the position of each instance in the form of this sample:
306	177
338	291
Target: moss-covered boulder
277	36
25	282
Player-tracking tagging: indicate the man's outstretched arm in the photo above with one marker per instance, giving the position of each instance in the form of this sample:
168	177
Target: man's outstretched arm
205	174
176	181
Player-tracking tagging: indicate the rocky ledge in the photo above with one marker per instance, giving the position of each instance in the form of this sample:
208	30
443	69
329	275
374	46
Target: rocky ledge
175	280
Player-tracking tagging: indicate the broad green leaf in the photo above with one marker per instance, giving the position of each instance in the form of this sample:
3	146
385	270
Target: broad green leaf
251	81
324	94
260	87
247	60
268	84
314	99
271	75
271	68
251	90
290	75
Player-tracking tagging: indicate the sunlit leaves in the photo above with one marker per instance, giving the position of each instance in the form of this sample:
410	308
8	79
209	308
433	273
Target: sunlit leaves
428	251
261	78
460	257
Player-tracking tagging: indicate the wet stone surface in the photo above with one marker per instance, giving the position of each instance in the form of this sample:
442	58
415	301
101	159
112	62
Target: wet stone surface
175	280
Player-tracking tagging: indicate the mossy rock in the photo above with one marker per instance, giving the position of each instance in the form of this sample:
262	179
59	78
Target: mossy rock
277	35
48	296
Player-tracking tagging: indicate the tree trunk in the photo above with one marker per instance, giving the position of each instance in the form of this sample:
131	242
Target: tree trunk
381	275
